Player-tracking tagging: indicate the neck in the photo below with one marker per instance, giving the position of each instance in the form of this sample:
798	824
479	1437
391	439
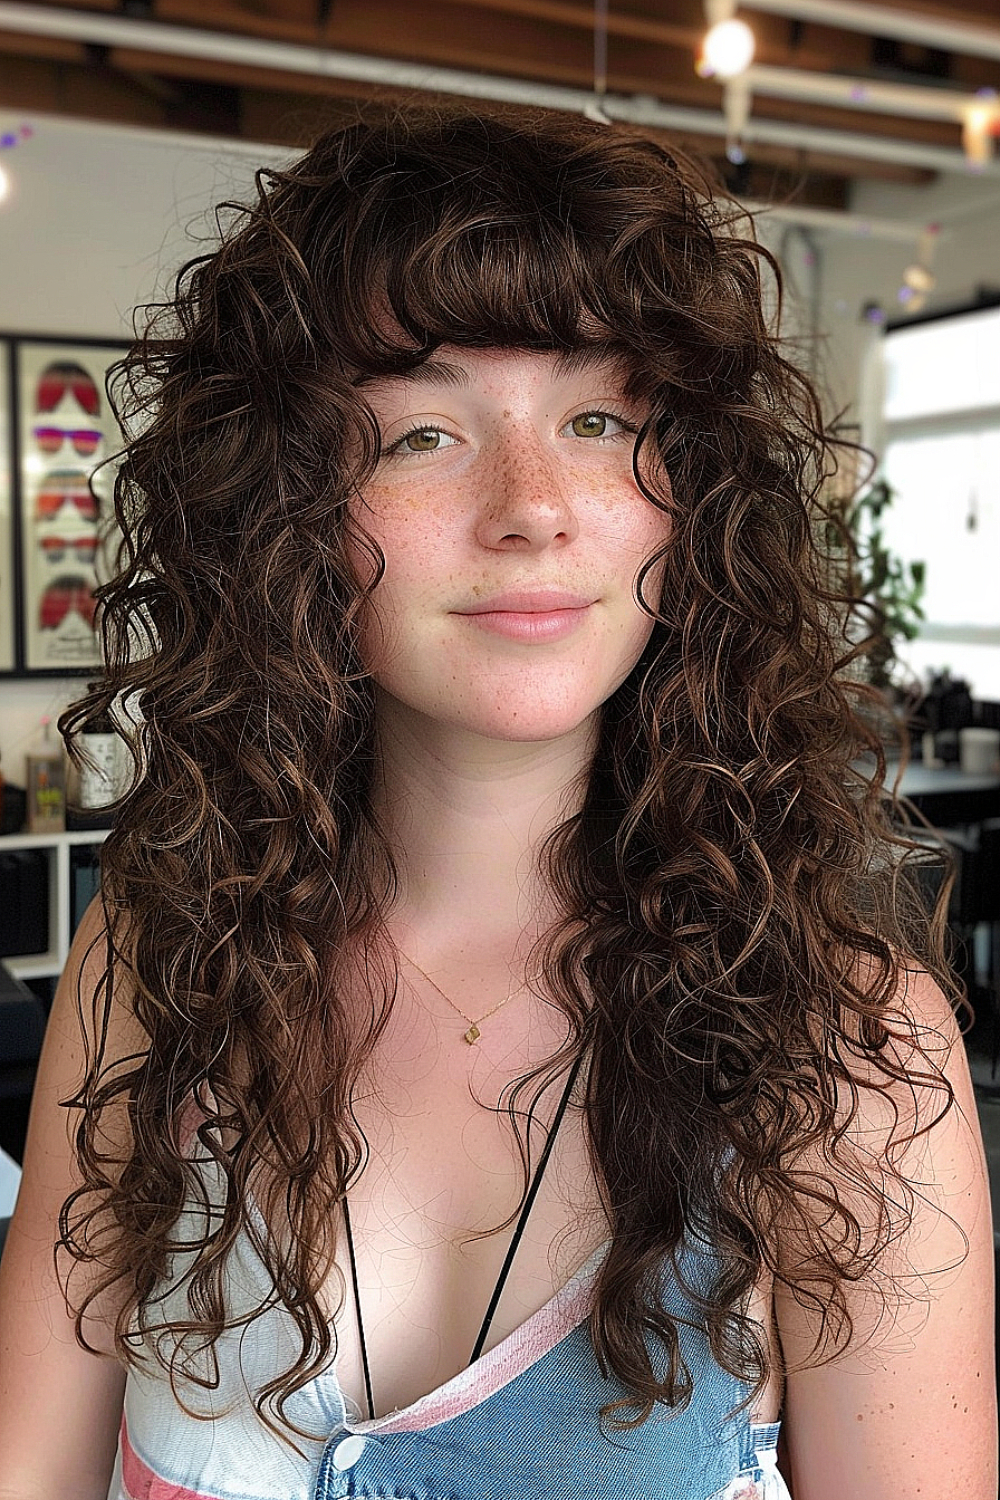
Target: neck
466	818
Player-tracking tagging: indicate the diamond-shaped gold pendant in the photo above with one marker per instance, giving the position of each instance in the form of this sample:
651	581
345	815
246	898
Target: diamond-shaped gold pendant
473	1034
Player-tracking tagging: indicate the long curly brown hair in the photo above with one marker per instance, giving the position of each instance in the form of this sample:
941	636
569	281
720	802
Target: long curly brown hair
737	915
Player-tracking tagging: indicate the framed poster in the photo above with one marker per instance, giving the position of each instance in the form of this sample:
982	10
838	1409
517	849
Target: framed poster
64	434
8	577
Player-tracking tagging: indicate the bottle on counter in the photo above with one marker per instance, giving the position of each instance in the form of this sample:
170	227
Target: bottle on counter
99	771
46	776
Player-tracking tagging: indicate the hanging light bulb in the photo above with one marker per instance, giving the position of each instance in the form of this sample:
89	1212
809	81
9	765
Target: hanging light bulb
919	279
727	50
978	124
4	184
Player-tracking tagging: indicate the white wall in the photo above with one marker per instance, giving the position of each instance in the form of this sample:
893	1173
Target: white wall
97	221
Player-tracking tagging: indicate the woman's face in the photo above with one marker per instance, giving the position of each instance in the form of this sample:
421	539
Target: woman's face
513	531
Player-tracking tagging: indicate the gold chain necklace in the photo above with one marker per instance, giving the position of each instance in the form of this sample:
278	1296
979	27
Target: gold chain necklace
473	1034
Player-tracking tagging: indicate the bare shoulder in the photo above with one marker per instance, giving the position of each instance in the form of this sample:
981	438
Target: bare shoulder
907	1402
59	1404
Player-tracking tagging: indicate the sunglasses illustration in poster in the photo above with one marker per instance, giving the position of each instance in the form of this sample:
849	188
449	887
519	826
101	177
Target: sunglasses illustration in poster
7	662
66	431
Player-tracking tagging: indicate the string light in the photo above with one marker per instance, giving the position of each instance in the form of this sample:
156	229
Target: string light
918	278
9	139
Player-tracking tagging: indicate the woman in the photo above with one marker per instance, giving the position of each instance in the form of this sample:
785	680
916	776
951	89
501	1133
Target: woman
503	982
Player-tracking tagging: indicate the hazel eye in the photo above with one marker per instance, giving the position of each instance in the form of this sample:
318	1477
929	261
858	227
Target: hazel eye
418	441
591	424
424	440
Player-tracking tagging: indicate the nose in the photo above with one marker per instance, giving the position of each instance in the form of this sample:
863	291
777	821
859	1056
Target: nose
527	498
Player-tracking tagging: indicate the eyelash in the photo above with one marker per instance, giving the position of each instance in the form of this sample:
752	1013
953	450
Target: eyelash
628	429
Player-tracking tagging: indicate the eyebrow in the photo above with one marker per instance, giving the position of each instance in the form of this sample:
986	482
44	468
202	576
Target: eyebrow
440	372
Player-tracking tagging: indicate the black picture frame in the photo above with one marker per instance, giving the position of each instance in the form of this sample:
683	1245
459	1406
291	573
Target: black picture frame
63	438
9	581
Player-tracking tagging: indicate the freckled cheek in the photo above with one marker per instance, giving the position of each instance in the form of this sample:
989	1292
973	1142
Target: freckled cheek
631	526
406	527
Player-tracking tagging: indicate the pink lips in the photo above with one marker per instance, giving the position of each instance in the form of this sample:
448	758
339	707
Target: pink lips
530	615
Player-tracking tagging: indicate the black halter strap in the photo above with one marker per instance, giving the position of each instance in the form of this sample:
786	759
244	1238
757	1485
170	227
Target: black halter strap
501	1281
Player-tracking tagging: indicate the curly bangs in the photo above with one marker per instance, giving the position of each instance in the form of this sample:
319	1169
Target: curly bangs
475	231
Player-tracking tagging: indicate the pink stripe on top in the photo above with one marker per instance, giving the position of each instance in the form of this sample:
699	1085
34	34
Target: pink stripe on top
528	1343
140	1483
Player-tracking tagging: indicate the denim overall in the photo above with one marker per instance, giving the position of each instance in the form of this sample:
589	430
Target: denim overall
522	1422
539	1433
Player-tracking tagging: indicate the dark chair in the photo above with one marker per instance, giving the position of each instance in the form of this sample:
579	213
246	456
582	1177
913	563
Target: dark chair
22	1028
974	902
977	903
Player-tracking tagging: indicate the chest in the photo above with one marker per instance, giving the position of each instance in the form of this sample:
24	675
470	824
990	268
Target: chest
437	1208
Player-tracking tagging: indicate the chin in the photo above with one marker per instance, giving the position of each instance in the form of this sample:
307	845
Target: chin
531	736
526	726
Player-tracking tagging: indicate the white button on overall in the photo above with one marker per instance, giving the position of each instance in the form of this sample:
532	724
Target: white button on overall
348	1451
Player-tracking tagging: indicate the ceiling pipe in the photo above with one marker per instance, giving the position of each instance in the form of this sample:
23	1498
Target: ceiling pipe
854	226
862	93
288	57
839	142
883	20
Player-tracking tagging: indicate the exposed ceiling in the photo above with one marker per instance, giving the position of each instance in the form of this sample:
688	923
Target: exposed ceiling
277	70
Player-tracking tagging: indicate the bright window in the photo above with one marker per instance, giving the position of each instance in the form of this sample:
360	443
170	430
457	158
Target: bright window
942	458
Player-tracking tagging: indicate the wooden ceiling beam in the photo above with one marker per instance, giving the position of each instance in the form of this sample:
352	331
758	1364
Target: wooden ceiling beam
823	52
779	43
16	44
77	89
939	133
976	14
780	40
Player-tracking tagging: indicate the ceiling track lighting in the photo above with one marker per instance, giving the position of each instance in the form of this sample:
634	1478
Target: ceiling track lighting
914	100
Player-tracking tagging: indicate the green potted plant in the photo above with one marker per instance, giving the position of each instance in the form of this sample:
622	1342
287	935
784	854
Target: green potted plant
892	590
